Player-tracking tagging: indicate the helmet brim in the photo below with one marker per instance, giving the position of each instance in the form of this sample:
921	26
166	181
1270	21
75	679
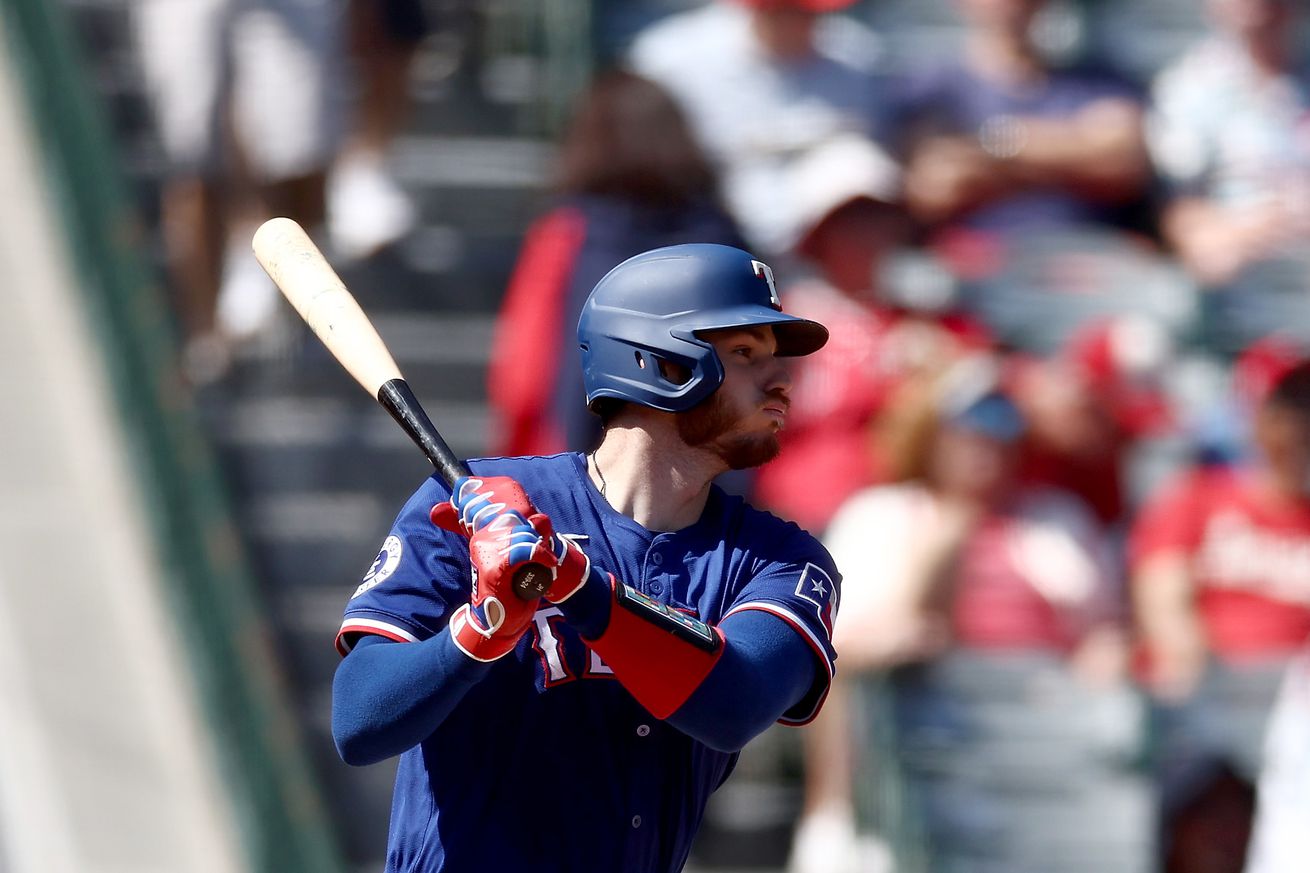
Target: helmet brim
796	337
799	337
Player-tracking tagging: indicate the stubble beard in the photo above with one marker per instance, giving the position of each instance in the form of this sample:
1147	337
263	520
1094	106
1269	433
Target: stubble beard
709	425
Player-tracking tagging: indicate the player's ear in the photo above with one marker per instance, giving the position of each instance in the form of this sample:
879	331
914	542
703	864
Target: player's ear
673	372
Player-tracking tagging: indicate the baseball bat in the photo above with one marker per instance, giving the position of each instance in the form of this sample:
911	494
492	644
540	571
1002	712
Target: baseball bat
308	281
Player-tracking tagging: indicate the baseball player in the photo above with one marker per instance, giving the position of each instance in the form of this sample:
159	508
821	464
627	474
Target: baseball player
585	731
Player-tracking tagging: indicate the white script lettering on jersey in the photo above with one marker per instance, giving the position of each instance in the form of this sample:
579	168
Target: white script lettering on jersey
548	645
1239	555
550	650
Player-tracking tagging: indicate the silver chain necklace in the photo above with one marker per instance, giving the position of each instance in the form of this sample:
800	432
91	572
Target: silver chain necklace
599	474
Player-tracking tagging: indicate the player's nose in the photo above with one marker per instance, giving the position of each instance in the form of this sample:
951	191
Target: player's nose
778	377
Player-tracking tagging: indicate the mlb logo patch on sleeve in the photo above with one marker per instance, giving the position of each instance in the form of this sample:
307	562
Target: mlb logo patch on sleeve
383	565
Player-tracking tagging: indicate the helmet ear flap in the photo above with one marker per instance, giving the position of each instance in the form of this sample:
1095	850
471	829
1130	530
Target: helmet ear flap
673	372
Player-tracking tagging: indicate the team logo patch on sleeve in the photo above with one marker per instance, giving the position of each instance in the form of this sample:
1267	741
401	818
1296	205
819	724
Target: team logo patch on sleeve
816	588
383	565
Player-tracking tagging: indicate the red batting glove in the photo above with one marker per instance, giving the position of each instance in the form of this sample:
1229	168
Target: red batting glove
570	565
476	500
490	625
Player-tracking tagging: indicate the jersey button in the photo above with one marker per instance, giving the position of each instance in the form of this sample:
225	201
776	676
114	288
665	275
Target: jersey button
643	730
636	821
656	587
657	559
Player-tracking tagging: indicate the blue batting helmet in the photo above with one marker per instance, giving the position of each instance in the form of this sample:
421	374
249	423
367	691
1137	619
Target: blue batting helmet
652	308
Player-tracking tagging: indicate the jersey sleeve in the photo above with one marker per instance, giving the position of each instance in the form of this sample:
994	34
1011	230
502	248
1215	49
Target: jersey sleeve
1171	522
797	582
420	575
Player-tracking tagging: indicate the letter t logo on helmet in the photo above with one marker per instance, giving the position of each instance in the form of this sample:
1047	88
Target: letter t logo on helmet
765	272
654	307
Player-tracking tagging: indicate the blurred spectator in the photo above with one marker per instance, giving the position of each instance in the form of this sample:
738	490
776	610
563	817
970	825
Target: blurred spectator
1228	135
1221	583
1222	557
962	570
764	81
973	557
1281	841
629	178
1087	405
367	210
849	222
1001	140
245	98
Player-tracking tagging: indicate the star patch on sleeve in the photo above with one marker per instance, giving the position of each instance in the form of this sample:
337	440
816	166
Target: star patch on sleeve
816	588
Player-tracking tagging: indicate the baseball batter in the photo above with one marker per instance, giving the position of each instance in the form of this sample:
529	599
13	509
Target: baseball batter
583	733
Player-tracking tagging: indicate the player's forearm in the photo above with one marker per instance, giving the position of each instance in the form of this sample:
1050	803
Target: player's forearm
1215	241
1100	152
1164	603
388	697
764	671
724	698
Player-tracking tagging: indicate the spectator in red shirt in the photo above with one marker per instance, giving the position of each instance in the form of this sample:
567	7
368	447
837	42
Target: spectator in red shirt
1221	558
850	223
1088	405
974	558
1221	584
959	564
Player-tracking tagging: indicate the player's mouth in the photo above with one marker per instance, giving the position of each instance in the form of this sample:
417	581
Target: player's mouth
776	408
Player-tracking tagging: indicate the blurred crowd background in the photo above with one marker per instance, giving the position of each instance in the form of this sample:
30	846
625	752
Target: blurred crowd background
1059	442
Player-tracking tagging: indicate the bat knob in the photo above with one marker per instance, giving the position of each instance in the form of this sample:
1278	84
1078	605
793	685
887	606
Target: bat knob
532	581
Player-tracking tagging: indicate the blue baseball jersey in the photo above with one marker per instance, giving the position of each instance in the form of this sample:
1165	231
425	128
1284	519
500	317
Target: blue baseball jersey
603	786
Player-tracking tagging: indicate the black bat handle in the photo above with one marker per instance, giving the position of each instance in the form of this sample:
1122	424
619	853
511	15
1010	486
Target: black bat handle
531	580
